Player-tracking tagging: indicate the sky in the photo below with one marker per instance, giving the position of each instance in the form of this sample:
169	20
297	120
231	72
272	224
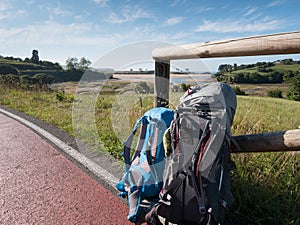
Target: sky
59	29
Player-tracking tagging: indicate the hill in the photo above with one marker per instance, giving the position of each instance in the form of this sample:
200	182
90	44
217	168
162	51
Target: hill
261	72
35	71
27	66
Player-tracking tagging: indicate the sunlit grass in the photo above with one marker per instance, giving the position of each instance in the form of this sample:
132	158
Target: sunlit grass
266	186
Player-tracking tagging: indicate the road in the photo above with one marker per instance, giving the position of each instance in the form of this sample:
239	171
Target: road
38	185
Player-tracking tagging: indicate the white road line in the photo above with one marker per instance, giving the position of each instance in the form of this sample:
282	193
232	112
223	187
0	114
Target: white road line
89	164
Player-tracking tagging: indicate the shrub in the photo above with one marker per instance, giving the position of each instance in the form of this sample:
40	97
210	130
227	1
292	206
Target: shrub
62	97
8	69
294	92
238	91
184	86
275	93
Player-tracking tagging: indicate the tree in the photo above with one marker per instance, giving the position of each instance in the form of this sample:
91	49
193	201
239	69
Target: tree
222	67
235	66
275	93
84	64
288	62
35	56
294	91
288	75
72	64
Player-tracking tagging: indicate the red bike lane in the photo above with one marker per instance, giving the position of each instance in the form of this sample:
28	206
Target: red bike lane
38	185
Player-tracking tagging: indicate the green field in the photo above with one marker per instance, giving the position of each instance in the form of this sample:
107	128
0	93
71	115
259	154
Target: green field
266	185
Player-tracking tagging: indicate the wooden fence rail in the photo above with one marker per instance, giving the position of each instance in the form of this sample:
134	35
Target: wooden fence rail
283	43
268	142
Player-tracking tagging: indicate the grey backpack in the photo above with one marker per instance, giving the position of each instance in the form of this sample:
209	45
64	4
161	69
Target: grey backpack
196	187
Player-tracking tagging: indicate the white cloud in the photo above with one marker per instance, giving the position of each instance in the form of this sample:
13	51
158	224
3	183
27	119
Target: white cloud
177	2
8	11
4	15
275	3
128	14
9	32
173	21
55	11
250	11
48	32
29	2
5	5
202	9
102	3
230	25
61	12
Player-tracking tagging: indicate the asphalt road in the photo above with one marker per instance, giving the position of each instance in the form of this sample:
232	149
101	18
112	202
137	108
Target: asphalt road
38	185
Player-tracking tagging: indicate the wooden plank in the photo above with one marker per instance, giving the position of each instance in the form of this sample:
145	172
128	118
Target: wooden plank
162	83
283	43
268	142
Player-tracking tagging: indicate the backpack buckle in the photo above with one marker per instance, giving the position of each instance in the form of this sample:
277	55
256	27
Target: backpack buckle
166	199
202	210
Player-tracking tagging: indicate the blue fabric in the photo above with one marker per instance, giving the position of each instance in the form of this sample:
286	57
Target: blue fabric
143	183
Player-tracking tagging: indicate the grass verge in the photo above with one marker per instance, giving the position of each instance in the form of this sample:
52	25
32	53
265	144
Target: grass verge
266	185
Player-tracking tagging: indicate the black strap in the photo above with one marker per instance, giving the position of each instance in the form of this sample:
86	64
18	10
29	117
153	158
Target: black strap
128	143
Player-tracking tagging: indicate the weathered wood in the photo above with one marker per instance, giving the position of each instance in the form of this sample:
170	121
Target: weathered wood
283	43
162	83
268	142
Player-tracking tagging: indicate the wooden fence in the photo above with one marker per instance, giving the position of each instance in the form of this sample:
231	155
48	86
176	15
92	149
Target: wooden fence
283	43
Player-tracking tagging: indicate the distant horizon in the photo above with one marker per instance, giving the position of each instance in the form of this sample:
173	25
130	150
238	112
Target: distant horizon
173	69
94	28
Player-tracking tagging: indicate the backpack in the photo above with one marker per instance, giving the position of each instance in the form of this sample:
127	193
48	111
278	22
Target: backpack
196	187
142	179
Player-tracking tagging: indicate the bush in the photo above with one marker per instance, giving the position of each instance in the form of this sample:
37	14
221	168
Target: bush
143	88
62	97
184	86
8	69
294	92
275	93
238	91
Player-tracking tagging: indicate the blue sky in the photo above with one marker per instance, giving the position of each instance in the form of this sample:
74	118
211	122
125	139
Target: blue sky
91	28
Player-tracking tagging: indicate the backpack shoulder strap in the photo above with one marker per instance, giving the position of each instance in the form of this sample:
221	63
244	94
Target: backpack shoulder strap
144	120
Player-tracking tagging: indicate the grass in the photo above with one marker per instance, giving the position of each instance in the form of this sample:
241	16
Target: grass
43	105
266	185
257	115
262	89
265	180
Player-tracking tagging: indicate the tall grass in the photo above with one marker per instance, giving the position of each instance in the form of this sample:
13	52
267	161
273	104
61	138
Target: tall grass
266	186
41	104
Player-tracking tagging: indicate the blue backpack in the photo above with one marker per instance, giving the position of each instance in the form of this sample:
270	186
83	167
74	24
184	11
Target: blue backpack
143	173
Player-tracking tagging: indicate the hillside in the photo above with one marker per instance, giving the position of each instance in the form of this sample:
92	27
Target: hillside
262	72
25	67
36	70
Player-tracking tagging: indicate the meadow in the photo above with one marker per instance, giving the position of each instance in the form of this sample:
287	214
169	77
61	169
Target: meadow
266	185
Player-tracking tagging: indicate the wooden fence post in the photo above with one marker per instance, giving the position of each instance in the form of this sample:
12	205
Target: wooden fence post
162	83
